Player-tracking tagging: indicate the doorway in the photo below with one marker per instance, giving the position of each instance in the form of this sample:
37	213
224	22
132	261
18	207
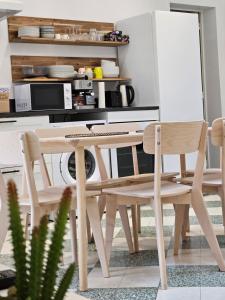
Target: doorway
210	68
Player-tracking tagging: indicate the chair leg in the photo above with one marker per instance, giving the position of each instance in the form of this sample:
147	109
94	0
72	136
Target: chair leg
102	204
73	228
186	223
135	227
179	219
27	222
94	217
160	244
35	217
126	227
111	207
89	234
139	218
221	193
207	227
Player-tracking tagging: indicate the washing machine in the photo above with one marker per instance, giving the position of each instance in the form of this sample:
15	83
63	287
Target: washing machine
63	164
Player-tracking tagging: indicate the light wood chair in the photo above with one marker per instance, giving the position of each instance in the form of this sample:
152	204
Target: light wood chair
213	182
46	200
168	139
105	181
127	180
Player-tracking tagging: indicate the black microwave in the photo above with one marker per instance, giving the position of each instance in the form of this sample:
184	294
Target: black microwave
43	96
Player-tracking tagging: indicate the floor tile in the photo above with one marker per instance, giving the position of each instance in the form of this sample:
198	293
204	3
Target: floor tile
122	294
208	293
96	279
125	259
180	294
141	277
195	276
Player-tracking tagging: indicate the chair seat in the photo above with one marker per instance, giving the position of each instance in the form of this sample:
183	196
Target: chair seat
213	180
205	172
126	180
146	190
52	195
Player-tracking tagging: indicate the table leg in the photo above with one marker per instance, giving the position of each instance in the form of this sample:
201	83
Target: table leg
82	221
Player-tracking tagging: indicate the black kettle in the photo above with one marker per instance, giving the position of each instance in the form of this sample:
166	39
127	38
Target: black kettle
130	94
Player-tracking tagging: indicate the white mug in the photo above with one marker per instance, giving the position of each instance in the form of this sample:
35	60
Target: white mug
57	36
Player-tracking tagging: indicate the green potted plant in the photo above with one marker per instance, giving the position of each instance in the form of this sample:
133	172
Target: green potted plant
36	264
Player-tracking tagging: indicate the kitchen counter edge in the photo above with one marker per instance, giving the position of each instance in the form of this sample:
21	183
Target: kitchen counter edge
72	111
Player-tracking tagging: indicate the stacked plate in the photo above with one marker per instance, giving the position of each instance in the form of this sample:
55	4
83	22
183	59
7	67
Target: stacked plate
29	31
61	71
47	32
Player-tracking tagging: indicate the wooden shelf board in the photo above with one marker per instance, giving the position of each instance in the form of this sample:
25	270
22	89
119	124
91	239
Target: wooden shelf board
42	79
68	42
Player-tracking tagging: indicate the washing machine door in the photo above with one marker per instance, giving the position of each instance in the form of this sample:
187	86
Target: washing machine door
68	168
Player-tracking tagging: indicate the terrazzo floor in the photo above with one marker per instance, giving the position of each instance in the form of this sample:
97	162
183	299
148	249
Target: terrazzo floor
192	275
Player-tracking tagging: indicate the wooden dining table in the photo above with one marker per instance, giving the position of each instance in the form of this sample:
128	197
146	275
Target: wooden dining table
77	145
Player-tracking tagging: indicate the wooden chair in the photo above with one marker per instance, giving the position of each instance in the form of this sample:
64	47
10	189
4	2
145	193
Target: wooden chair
213	182
127	180
105	182
168	139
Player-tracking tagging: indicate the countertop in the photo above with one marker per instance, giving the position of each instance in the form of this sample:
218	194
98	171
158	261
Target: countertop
72	111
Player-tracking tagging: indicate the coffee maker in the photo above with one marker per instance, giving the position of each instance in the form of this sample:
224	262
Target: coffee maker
83	94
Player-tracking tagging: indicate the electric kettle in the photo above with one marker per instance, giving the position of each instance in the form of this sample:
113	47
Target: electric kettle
128	94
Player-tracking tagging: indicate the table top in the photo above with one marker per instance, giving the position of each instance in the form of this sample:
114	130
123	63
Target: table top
62	144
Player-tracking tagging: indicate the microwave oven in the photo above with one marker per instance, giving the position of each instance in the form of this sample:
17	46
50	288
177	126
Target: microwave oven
43	96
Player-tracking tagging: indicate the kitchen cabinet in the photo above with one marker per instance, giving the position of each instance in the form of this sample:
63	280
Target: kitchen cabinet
23	124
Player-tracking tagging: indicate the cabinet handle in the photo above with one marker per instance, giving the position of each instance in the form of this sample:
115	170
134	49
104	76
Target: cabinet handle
9	172
5	122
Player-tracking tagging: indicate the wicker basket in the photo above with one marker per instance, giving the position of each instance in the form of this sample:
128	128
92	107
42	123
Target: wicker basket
4	100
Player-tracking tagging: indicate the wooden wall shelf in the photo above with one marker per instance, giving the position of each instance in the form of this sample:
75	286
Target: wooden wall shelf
61	26
68	42
18	62
42	79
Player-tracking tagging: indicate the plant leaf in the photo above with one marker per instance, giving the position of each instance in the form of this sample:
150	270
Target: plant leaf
56	247
38	243
18	242
65	283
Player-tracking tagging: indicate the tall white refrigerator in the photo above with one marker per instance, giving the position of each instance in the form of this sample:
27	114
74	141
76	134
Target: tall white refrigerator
164	61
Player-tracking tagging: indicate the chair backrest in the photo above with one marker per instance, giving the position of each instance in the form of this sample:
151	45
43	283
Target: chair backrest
177	138
31	153
117	127
61	131
217	132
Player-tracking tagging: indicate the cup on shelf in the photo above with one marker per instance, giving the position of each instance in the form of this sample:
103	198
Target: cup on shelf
98	72
65	36
93	34
58	36
100	36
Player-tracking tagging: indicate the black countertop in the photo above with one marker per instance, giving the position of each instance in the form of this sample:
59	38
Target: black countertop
72	111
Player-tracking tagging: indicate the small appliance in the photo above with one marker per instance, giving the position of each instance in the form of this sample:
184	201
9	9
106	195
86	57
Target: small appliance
113	99
43	96
83	94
